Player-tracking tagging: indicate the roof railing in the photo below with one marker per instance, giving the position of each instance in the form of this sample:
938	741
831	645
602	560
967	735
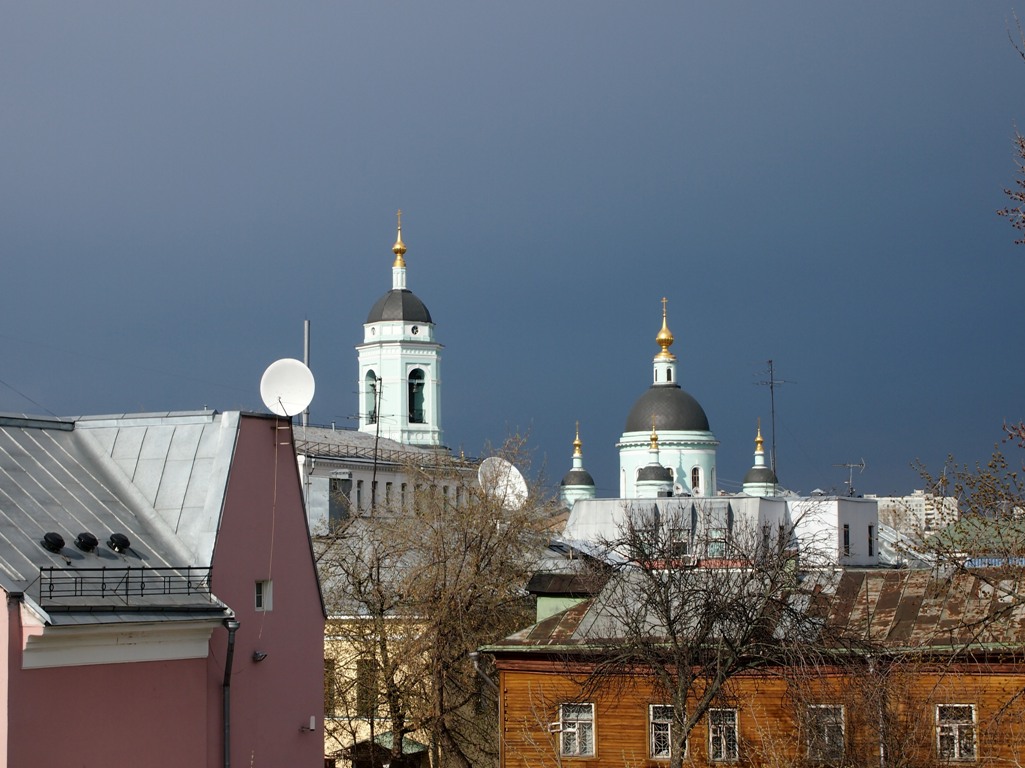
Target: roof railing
126	586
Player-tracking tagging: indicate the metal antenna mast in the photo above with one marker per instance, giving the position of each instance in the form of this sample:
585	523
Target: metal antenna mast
851	466
772	382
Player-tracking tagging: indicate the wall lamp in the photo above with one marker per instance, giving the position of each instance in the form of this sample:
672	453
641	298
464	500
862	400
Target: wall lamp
259	656
311	727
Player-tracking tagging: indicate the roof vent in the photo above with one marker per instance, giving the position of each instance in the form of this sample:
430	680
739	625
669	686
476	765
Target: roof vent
118	542
54	542
86	542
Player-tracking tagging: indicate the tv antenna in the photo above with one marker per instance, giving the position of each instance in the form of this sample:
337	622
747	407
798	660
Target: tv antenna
772	382
851	466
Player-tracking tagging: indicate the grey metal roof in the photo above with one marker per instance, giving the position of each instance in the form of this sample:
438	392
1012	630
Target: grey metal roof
351	444
399	304
158	479
670	407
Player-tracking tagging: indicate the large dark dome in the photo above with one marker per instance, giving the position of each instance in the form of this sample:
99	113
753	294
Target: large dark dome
672	408
760	475
578	477
655	472
399	304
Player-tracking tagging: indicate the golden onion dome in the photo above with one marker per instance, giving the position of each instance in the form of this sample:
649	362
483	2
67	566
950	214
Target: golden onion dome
665	336
400	247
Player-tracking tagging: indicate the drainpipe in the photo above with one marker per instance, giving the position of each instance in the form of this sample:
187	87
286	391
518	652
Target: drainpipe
232	625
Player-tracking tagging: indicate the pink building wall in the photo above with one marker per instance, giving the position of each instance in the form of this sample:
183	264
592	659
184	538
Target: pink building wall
103	715
263	536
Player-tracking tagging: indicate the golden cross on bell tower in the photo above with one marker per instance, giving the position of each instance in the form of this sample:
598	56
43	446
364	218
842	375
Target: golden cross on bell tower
664	299
399	249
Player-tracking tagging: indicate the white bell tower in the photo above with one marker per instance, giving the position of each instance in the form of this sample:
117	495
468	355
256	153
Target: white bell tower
400	365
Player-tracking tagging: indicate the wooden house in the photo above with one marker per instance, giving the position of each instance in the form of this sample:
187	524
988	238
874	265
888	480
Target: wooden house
930	672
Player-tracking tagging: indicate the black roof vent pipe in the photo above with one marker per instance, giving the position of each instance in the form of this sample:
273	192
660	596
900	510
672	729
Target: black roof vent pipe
86	541
118	542
53	542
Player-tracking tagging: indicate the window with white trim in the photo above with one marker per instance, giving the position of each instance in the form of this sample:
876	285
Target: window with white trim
576	729
722	735
264	598
660	718
825	733
955	731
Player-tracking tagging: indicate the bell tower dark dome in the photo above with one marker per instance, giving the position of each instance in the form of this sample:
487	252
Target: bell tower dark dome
399	304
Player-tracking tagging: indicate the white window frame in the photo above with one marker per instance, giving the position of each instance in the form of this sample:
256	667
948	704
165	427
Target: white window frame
263	598
660	722
719	735
576	729
821	747
962	733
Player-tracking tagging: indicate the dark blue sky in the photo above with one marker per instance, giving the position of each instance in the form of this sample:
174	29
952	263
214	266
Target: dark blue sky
181	184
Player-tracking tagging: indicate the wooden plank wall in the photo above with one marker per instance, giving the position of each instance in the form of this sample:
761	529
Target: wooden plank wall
902	705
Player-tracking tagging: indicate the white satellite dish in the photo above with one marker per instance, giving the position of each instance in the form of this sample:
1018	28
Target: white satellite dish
287	387
500	479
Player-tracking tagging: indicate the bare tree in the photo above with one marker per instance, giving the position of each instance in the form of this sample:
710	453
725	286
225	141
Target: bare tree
700	599
416	591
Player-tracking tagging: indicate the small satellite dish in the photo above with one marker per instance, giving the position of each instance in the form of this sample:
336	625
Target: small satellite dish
500	479
287	387
679	490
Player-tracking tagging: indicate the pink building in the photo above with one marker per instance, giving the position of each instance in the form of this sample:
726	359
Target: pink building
163	607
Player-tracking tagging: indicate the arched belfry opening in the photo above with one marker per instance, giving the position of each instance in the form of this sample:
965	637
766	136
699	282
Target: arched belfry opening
416	381
371	396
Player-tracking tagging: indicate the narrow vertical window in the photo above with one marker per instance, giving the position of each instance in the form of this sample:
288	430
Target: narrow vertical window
366	688
955	731
660	718
722	735
370	392
339	489
846	540
826	733
669	374
387	494
576	726
402	500
871	540
695	480
264	596
416	396
330	687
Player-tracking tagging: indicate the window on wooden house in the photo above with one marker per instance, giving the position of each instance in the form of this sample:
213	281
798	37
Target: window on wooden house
955	731
722	735
576	728
825	733
660	718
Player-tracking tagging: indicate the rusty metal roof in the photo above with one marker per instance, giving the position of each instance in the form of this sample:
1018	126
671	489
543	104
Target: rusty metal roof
889	609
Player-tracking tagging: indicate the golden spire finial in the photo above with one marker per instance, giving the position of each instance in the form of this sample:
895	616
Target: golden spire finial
400	247
665	336
577	444
654	435
759	443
